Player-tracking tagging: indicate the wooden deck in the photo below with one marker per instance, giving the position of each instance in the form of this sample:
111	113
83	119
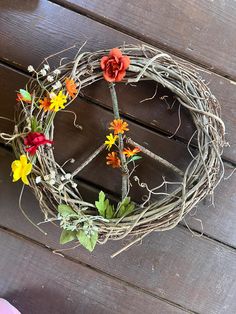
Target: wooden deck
171	272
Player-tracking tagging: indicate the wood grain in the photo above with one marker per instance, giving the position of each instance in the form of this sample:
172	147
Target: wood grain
37	281
173	265
202	31
26	45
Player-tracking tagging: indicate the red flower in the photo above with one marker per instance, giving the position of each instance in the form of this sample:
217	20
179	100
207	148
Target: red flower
33	140
114	65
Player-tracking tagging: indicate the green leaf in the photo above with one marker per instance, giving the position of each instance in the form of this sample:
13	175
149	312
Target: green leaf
126	207
135	157
88	241
65	210
34	125
25	95
104	207
67	236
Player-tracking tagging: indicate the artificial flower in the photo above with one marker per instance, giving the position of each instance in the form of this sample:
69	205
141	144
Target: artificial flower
71	87
31	68
24	95
131	152
33	140
113	160
21	169
57	85
45	104
119	126
57	72
111	139
43	72
50	78
114	65
58	101
46	67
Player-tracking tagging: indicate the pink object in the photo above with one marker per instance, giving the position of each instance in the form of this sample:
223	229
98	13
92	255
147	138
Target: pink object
7	308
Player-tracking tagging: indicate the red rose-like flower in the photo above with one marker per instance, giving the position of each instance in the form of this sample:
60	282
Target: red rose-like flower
33	140
114	65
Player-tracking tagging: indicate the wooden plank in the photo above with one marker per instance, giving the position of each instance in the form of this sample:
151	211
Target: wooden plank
22	47
37	281
203	31
173	265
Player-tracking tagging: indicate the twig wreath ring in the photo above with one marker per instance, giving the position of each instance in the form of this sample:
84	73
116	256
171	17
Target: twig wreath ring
57	192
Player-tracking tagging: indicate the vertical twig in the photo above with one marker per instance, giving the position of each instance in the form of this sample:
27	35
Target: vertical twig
124	168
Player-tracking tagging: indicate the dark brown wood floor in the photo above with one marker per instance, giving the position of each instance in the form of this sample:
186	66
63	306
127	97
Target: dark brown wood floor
171	272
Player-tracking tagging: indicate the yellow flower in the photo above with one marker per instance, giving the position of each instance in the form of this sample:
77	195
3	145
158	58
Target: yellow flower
58	101
21	169
111	139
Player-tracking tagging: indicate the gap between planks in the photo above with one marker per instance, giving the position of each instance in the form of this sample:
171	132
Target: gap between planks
125	30
76	261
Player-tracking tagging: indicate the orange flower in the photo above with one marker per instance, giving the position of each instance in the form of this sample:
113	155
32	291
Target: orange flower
45	104
119	126
113	160
71	87
131	152
114	65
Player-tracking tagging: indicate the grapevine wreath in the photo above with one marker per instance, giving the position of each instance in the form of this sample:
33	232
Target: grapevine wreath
53	89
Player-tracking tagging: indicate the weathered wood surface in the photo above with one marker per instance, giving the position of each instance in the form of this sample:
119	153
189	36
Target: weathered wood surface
201	31
175	271
37	281
26	45
173	265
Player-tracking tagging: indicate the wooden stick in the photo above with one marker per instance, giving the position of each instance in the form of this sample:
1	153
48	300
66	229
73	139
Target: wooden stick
156	157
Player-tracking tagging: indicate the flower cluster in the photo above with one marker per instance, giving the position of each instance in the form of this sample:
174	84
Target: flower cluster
119	127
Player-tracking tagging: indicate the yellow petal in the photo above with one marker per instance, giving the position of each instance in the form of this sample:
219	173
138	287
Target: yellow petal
16	174
27	169
25	179
23	160
16	164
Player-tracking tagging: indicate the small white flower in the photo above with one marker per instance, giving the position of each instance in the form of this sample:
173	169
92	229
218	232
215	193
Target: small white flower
38	180
74	185
43	72
62	178
52	174
60	188
52	95
47	177
57	85
57	72
50	78
31	68
46	67
68	176
72	160
52	182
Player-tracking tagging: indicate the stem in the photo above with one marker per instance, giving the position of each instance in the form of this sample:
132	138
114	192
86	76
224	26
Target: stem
124	168
88	160
155	157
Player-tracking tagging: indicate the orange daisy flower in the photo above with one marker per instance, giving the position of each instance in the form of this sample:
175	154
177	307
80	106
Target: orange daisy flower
45	104
131	152
119	126
71	87
113	160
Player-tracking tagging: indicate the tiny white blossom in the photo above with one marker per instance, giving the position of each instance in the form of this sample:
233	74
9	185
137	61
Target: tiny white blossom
60	188
52	182
68	176
52	174
43	72
38	180
57	85
50	78
46	67
74	185
52	95
47	177
57	72
62	178
31	68
72	160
